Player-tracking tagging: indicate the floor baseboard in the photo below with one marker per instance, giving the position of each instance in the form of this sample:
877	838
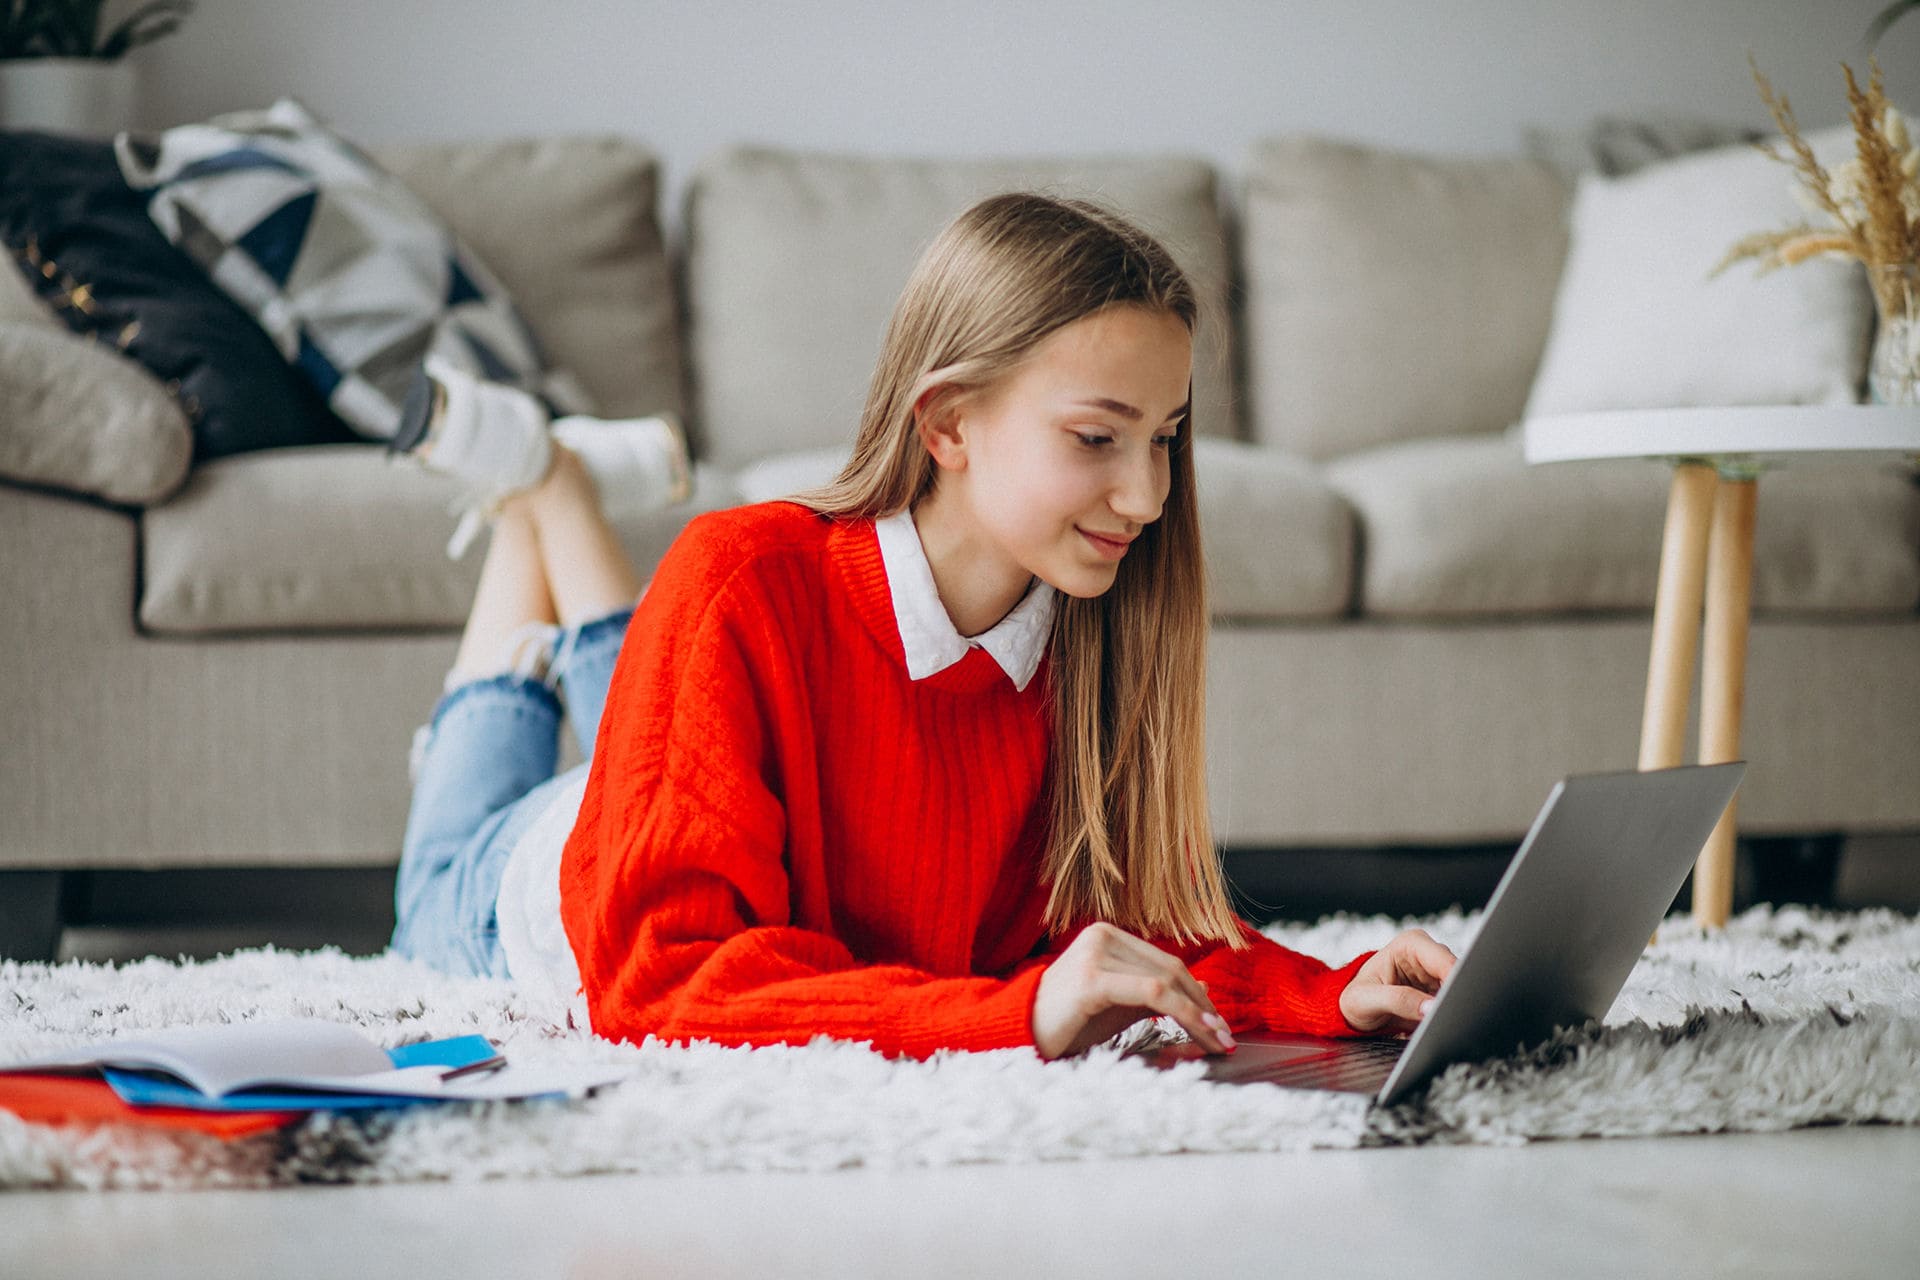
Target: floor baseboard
106	916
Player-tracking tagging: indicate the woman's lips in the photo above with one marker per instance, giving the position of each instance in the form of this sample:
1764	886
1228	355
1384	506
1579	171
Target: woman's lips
1109	548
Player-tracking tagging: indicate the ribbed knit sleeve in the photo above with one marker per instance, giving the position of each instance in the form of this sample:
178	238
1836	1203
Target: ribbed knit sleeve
676	891
1267	987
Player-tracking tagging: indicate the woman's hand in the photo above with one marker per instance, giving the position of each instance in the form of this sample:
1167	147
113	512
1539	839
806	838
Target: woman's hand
1395	987
1107	980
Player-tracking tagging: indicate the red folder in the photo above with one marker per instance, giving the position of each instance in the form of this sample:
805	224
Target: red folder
53	1099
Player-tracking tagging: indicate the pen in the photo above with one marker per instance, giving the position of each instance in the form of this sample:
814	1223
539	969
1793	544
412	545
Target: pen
481	1067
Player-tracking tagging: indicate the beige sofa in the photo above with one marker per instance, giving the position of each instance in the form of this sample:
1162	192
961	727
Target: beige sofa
1416	632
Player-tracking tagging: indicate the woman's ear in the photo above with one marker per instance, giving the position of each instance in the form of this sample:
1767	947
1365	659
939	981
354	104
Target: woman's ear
937	417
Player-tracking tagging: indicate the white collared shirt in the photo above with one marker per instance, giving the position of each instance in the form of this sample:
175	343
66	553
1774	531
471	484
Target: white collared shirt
927	633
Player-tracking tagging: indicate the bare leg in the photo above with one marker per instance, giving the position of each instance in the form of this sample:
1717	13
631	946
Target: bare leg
512	592
587	571
553	558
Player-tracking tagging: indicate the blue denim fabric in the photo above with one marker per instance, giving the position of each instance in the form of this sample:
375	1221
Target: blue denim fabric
485	773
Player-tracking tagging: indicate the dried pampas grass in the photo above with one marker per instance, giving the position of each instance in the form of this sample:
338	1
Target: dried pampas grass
1872	201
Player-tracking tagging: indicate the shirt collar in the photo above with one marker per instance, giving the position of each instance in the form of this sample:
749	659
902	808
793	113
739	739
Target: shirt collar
1017	642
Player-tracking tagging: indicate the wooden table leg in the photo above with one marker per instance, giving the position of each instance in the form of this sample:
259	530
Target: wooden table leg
1723	679
1676	617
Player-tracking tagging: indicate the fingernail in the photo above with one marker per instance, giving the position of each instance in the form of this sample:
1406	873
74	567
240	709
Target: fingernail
1425	1007
1214	1020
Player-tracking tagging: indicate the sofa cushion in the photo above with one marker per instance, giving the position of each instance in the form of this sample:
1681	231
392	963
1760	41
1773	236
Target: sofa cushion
353	276
1279	540
570	227
332	538
80	416
781	475
1639	323
1456	527
795	261
1393	295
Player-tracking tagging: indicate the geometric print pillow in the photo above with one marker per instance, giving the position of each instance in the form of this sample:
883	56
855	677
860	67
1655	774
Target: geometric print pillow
351	275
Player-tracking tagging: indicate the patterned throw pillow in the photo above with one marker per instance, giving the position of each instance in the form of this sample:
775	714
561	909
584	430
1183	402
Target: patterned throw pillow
353	278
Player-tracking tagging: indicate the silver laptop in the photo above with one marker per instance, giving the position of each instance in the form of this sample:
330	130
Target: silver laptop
1585	891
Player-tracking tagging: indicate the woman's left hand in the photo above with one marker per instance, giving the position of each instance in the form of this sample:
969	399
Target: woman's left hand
1395	987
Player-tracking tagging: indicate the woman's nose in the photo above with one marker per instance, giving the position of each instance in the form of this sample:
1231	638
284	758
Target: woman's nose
1140	490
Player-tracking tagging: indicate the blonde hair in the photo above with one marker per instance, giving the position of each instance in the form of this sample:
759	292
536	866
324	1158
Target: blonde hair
1130	840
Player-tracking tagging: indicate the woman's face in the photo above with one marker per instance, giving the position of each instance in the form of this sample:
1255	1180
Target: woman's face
1065	460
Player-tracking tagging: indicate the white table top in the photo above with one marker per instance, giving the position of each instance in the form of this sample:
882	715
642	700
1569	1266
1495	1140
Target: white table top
1752	436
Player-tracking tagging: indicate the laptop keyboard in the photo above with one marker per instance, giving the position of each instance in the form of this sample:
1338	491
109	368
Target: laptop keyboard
1359	1066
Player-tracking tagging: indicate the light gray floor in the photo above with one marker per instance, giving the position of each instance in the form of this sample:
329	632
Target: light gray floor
1824	1202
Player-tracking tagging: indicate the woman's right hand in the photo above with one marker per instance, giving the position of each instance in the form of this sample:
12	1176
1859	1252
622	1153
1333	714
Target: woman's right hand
1107	980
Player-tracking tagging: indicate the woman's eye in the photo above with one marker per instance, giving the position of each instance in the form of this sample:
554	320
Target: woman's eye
1166	440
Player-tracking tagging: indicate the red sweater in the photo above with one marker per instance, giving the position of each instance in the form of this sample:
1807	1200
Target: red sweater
783	836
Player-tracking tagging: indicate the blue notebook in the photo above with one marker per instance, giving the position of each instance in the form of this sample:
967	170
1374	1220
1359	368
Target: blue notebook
154	1089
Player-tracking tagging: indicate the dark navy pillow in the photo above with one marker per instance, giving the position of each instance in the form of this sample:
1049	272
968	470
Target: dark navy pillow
84	241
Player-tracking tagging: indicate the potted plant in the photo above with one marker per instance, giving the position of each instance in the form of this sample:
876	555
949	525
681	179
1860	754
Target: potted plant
61	72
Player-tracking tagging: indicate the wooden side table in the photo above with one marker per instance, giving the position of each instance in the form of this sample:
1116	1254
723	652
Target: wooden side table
1706	554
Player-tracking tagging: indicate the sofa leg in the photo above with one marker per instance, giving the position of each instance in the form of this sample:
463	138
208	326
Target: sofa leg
33	911
1799	869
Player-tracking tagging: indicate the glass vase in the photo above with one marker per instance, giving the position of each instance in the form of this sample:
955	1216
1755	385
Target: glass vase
1893	374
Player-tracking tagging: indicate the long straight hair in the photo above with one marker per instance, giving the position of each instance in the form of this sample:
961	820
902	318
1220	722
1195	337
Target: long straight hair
1130	840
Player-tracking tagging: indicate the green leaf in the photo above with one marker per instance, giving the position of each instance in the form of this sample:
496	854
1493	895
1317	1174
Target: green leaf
144	25
71	28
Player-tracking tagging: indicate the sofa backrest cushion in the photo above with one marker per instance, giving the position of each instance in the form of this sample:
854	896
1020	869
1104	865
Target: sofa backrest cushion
1393	295
570	226
1616	145
795	261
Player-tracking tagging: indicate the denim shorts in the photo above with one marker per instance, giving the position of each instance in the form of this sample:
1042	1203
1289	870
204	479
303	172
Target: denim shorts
484	771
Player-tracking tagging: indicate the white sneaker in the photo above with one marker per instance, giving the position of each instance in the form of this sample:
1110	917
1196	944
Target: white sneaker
497	440
491	437
637	464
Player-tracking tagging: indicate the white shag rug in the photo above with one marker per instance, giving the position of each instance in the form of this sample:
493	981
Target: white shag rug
1787	1018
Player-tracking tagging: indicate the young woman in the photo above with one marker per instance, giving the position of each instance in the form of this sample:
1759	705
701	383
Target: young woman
914	759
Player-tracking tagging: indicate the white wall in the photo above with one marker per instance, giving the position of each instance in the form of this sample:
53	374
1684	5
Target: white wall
966	77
